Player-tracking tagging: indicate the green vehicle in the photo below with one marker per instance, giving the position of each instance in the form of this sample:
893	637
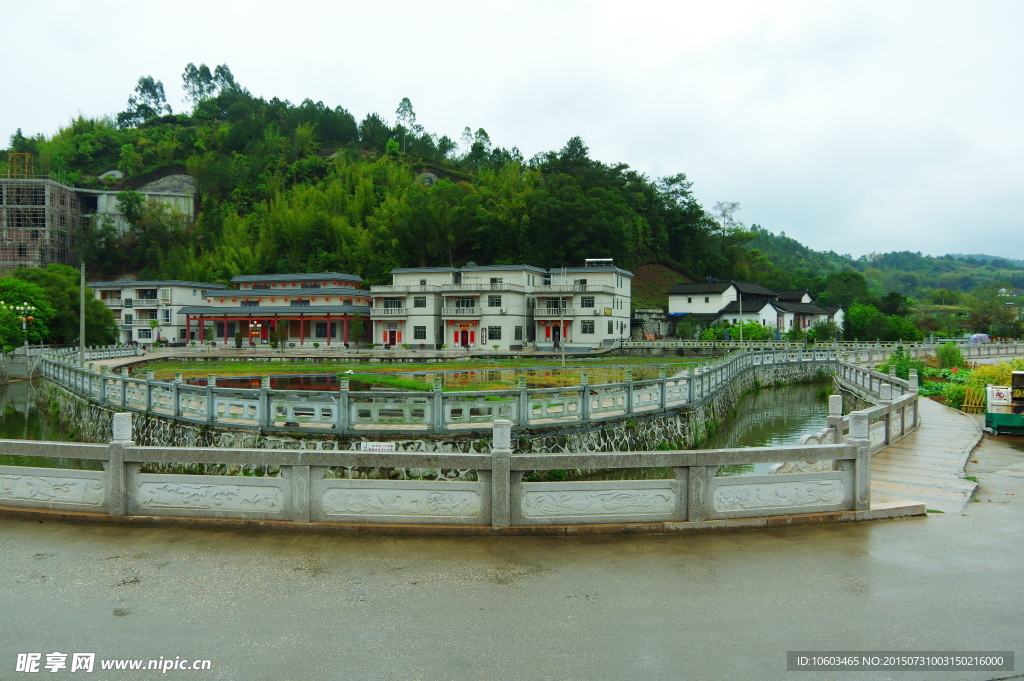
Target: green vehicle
1004	406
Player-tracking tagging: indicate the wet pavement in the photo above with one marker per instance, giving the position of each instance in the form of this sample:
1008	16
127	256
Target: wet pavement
263	605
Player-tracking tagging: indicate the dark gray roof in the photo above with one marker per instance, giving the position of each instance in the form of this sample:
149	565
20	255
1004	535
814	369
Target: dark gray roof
720	286
423	270
831	309
799	308
312	276
697	316
796	295
275	310
599	268
700	287
165	282
749	305
296	292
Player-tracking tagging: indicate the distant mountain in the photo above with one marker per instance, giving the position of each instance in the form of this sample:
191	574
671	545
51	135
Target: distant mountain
1017	264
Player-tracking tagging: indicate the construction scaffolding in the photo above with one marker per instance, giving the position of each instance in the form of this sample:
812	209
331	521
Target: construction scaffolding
40	218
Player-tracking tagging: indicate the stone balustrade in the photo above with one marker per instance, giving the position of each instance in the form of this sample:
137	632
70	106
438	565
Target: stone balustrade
436	411
303	486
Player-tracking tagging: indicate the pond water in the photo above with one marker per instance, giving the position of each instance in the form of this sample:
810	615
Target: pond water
536	377
20	420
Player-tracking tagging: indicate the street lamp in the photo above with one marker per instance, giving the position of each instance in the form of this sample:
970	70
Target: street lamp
254	332
24	313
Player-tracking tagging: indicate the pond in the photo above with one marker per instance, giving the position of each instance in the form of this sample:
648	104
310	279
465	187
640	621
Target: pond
20	420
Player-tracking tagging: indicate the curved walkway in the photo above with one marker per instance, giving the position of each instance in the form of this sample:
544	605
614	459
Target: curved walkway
927	466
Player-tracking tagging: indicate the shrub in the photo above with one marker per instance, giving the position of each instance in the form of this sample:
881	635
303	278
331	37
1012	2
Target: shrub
949	355
238	340
316	345
955	394
902	363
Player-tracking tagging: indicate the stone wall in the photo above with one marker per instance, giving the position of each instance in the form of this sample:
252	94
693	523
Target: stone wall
677	428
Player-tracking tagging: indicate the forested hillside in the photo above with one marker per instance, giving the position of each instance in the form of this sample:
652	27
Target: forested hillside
285	187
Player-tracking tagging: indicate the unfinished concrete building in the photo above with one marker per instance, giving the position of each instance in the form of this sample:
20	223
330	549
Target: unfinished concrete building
40	218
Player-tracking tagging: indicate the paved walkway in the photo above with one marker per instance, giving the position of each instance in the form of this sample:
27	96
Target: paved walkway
927	466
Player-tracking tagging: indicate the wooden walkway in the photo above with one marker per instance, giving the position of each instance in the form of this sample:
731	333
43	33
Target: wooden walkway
927	466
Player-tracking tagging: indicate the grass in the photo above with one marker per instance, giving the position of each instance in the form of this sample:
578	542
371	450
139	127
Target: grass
972	478
459	376
932	510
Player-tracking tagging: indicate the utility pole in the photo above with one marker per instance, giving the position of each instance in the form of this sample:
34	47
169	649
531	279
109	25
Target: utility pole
740	294
561	319
81	314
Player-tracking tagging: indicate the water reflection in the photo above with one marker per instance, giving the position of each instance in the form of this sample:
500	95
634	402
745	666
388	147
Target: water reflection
772	417
20	420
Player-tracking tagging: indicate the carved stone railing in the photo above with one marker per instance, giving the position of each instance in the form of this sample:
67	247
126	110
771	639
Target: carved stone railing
870	352
304	486
435	411
98	352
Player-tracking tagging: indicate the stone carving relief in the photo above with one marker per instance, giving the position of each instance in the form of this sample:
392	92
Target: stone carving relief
405	502
251	498
776	494
877	434
597	502
801	467
51	490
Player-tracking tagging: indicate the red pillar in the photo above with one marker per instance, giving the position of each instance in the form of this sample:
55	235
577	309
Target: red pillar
344	329
202	323
328	330
302	331
188	329
225	330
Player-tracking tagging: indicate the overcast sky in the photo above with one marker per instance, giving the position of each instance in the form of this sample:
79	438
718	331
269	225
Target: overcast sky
856	127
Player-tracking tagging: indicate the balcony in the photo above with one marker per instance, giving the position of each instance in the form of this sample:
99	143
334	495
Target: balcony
461	312
574	288
403	288
389	312
484	286
112	302
555	313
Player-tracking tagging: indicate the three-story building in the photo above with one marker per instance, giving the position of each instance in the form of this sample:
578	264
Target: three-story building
148	311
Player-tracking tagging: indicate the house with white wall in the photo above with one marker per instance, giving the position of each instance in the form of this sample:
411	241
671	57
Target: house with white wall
147	311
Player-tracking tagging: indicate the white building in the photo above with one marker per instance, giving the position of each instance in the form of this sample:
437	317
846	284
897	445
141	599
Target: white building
504	307
327	308
147	311
736	301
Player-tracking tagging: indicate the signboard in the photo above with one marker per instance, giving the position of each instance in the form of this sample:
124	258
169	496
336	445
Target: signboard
999	395
483	335
607	312
377	447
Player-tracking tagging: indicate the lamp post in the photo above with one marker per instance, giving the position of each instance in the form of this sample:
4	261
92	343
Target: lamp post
254	332
24	313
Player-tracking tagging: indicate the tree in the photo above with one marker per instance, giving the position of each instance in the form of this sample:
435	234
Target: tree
198	83
13	292
60	286
989	312
406	118
147	102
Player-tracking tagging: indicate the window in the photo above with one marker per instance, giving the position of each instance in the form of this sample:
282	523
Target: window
147	315
310	285
519	333
392	303
465	303
419	333
555	303
707	299
579	282
587	301
611	329
145	293
423	282
144	333
493	301
165	316
165	294
250	303
494	332
689	300
496	280
300	303
195	293
129	318
419	301
587	326
321	329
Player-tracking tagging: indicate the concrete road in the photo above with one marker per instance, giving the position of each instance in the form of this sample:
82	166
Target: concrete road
716	606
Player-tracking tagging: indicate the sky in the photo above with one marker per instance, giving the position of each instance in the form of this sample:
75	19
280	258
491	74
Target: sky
856	127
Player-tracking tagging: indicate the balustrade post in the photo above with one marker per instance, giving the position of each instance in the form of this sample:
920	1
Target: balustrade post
438	397
300	494
585	394
885	399
501	473
343	402
629	391
663	377
835	416
690	378
698	494
116	478
860	440
150	377
211	383
176	394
